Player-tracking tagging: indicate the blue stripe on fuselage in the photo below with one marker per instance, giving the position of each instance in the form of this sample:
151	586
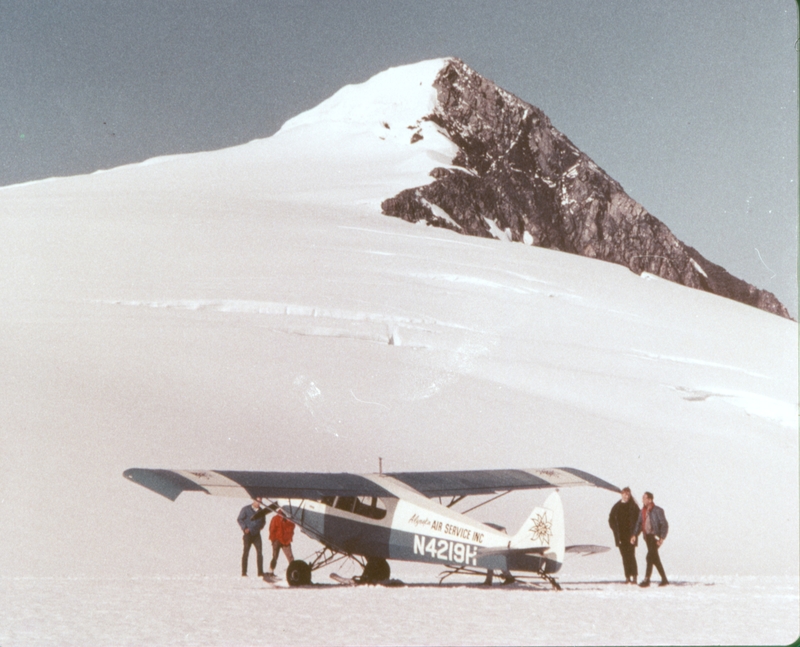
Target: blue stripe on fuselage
356	537
345	534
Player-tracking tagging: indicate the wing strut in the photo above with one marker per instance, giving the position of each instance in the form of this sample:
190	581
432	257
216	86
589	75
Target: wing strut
494	498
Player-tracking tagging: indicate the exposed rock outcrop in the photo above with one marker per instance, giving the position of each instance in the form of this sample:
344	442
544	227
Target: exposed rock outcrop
517	177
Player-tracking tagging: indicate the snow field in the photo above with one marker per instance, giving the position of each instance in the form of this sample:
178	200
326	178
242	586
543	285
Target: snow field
230	610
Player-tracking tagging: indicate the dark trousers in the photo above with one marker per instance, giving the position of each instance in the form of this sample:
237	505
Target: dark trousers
653	559
250	539
628	552
276	550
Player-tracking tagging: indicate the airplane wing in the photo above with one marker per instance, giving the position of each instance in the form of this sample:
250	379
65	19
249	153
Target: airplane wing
316	485
274	485
469	482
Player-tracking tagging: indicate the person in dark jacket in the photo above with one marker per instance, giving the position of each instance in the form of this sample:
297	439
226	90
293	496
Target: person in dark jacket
252	523
622	520
281	532
652	522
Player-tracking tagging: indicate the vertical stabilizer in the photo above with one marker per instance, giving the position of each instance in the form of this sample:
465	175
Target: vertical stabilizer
544	528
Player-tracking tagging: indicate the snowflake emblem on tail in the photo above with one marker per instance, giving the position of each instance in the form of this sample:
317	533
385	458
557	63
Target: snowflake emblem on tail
542	528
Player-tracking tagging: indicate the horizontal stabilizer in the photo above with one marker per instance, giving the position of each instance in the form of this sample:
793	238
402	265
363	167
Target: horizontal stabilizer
587	549
531	550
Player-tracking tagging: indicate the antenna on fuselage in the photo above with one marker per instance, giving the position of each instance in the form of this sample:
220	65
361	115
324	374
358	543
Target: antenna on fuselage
380	465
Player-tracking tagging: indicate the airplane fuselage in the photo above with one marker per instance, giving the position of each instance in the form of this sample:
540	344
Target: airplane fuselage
415	528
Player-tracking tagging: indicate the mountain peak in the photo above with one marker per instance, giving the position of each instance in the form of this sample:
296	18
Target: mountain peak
399	97
515	177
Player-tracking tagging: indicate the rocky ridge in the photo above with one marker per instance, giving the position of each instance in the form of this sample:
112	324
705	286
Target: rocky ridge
517	178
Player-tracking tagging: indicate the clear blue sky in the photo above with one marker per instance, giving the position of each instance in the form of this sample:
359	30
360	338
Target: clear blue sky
691	106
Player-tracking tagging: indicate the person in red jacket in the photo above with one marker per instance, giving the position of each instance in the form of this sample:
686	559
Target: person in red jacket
281	532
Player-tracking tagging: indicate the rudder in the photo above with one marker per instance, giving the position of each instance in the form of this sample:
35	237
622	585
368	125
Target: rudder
544	528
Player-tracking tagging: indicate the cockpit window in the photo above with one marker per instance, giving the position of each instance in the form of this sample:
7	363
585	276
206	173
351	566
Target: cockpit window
365	506
370	507
345	503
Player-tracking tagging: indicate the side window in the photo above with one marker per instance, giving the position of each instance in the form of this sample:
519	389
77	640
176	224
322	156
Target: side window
345	503
327	500
365	506
370	507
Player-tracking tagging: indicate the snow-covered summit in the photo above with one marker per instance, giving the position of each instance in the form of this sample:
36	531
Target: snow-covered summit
517	178
474	158
397	98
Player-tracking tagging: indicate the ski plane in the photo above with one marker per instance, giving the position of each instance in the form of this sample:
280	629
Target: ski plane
373	518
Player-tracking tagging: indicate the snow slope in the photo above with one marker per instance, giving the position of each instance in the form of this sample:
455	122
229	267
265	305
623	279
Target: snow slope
251	309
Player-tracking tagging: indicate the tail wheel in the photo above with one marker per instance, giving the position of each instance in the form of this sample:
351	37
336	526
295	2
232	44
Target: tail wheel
298	573
376	570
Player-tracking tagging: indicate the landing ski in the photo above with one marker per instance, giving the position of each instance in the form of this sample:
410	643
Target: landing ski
346	581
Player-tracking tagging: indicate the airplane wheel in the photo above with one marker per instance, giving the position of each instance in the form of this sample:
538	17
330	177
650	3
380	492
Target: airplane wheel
376	570
298	573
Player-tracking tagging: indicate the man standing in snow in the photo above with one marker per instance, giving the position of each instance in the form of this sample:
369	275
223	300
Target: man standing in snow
653	523
252	523
281	532
622	520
